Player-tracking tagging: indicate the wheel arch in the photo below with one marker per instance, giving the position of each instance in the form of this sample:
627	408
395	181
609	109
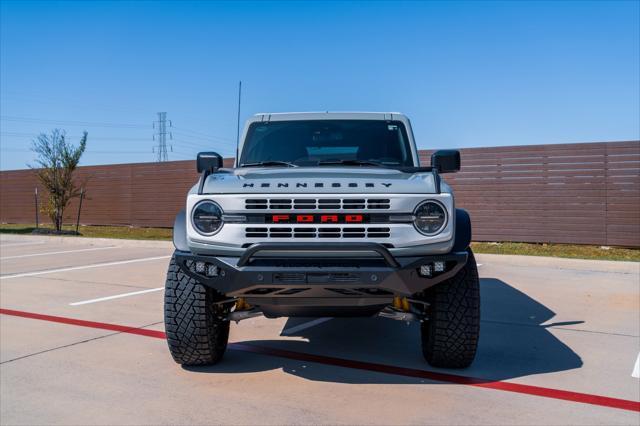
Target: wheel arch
180	231
463	231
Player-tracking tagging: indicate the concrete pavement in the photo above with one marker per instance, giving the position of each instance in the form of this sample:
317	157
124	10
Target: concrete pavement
551	328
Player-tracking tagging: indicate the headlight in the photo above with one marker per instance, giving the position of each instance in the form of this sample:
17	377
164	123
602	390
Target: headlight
430	217
207	217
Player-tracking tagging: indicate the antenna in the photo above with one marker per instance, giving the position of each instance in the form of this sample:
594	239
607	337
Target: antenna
238	126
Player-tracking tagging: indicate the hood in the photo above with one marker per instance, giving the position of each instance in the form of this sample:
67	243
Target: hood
315	180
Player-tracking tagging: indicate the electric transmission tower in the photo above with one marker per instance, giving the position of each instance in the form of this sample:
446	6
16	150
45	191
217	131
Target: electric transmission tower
161	134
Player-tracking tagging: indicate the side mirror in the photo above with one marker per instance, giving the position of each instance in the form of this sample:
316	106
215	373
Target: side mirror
209	161
446	160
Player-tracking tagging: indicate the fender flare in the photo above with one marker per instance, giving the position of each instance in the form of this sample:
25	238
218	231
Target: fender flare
180	231
463	231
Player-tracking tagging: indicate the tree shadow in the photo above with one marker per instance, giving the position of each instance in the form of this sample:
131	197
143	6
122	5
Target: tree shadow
513	344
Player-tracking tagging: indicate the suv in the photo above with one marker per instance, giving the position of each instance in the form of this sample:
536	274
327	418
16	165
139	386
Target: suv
323	215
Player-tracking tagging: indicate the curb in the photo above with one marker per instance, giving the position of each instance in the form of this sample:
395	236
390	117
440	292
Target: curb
588	265
73	240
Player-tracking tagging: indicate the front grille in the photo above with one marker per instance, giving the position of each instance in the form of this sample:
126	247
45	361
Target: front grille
324	232
317	204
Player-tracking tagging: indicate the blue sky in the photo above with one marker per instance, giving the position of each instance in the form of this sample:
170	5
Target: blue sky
467	73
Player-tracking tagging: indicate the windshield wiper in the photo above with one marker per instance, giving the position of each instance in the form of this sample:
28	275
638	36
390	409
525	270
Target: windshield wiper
352	163
268	163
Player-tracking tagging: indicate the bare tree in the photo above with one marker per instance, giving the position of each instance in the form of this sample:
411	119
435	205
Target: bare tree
57	160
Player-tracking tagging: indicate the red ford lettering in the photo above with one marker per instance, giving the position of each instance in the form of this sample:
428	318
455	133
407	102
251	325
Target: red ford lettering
353	218
329	218
279	218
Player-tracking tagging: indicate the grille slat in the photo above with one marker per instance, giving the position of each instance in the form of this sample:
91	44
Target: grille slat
307	203
353	204
307	232
378	203
256	232
280	204
255	204
318	204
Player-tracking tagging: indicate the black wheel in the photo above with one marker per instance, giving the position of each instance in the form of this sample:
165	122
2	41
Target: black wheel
450	336
196	332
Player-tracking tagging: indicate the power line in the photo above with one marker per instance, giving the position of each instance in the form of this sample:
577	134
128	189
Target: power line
87	152
208	136
116	138
70	122
187	154
196	148
201	146
193	152
217	140
76	102
196	140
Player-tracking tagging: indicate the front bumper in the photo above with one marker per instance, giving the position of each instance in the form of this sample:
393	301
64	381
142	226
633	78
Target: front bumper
277	273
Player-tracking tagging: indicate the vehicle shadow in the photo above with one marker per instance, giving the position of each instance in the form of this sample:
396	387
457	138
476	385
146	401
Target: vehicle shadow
513	344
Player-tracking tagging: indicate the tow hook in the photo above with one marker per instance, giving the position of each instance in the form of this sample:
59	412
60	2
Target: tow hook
243	311
401	310
242	305
393	313
401	303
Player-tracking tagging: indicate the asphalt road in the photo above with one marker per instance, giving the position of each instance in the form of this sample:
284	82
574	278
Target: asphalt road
81	342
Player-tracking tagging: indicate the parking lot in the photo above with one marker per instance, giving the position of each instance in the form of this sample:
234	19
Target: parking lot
82	343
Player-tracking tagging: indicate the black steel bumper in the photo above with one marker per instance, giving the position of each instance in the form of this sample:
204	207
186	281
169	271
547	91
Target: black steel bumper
281	273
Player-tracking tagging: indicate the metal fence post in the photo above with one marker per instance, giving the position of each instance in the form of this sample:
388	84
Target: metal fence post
79	209
36	198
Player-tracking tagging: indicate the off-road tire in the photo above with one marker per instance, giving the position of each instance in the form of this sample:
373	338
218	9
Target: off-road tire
450	335
196	334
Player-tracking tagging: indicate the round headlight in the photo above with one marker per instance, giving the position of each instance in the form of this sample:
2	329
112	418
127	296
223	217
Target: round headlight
207	217
430	217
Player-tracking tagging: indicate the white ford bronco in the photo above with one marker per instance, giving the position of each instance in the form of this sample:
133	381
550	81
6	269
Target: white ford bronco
323	215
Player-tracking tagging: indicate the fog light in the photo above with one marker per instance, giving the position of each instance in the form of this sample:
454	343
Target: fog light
426	270
212	270
438	266
200	266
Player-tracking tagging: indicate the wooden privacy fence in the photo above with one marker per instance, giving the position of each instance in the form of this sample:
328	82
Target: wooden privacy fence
571	193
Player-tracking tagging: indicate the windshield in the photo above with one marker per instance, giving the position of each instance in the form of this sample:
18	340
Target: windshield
310	142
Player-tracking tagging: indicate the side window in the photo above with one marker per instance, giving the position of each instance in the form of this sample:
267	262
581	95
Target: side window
400	143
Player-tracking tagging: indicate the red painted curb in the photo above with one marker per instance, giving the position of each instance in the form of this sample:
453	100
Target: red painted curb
604	401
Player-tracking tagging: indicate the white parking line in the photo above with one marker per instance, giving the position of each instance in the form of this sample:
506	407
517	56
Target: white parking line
636	368
116	296
55	252
33	243
305	325
75	268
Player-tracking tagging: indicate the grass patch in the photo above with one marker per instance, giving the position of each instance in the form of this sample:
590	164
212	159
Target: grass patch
126	232
573	251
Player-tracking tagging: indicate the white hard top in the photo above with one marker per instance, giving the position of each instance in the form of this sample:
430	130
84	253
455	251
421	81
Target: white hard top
328	115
